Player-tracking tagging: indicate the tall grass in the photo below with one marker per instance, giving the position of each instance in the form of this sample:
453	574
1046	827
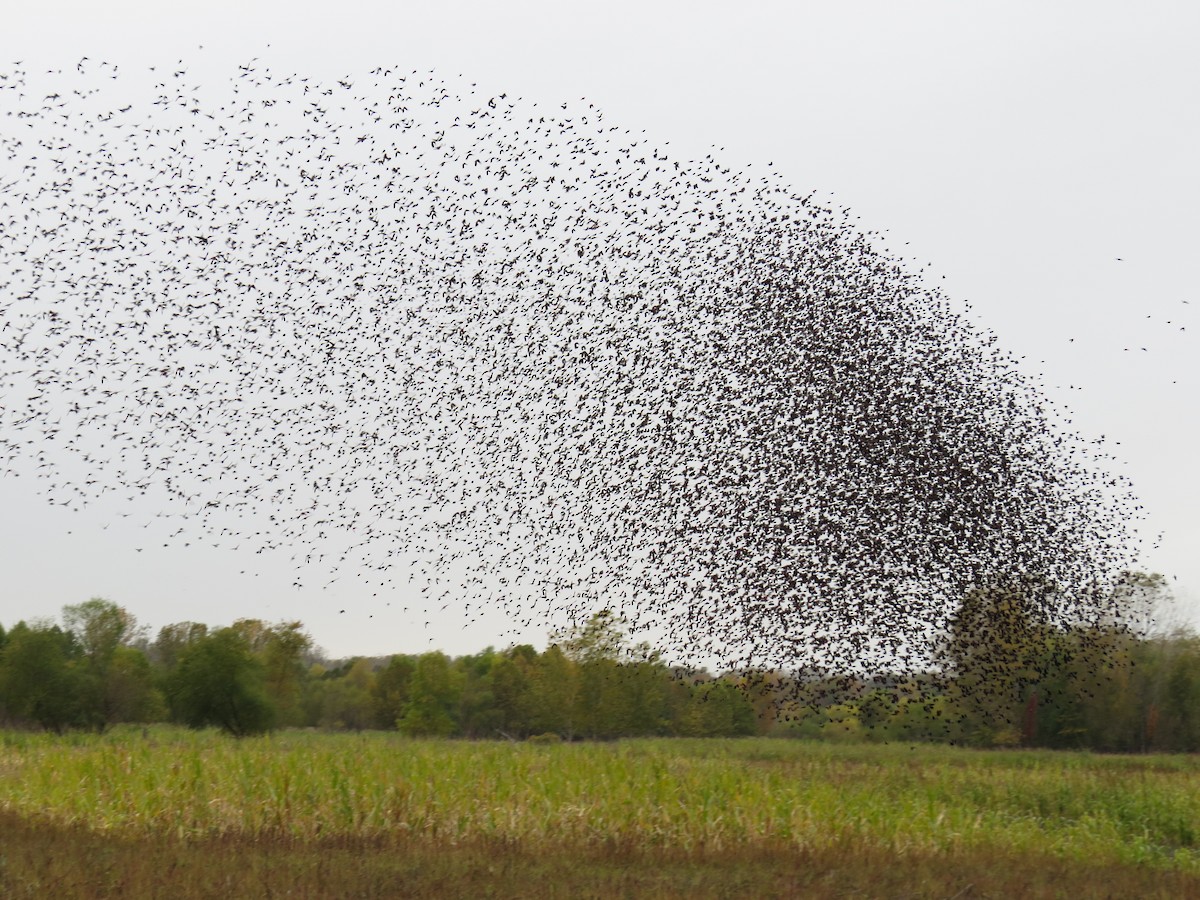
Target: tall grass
644	796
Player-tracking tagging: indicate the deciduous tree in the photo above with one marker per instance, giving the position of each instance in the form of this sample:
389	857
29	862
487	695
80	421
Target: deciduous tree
218	681
42	681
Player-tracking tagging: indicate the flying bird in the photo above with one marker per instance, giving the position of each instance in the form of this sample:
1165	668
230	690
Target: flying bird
541	363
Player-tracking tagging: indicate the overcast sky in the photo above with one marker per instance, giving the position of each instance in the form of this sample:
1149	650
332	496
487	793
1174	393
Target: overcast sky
1039	159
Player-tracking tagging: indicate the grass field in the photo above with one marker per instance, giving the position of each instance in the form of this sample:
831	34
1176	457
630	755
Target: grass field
332	815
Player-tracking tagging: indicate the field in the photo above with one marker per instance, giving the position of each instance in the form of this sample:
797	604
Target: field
330	815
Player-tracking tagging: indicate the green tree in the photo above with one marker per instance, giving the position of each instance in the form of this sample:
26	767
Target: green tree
99	626
994	649
621	688
510	689
219	681
478	715
1111	695
282	648
718	709
602	637
1181	696
102	629
553	693
434	695
344	696
42	680
389	693
172	640
876	711
648	690
601	701
129	690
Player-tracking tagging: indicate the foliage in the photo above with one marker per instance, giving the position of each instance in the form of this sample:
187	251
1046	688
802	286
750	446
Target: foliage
117	681
172	640
1010	676
434	694
390	691
99	627
42	681
218	681
129	692
344	701
282	648
718	709
602	638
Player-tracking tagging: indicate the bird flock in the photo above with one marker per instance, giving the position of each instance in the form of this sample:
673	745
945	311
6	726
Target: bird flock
503	351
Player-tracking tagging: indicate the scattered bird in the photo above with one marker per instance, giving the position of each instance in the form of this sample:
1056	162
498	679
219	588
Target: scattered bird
395	322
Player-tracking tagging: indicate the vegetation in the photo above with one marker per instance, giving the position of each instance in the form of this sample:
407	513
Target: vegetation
319	814
100	797
1007	678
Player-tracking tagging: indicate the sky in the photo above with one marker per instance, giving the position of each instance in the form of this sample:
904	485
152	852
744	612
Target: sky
1038	160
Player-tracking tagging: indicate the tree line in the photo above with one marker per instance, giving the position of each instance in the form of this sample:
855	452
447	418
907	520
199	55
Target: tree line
1005	678
99	669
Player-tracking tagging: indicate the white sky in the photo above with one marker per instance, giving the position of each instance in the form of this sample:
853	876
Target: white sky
1039	157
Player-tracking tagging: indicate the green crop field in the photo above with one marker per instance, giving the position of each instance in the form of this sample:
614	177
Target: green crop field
323	815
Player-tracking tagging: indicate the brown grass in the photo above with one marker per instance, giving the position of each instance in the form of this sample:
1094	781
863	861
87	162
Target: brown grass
40	859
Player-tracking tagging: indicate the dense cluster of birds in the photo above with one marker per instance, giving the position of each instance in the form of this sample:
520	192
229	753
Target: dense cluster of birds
516	356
